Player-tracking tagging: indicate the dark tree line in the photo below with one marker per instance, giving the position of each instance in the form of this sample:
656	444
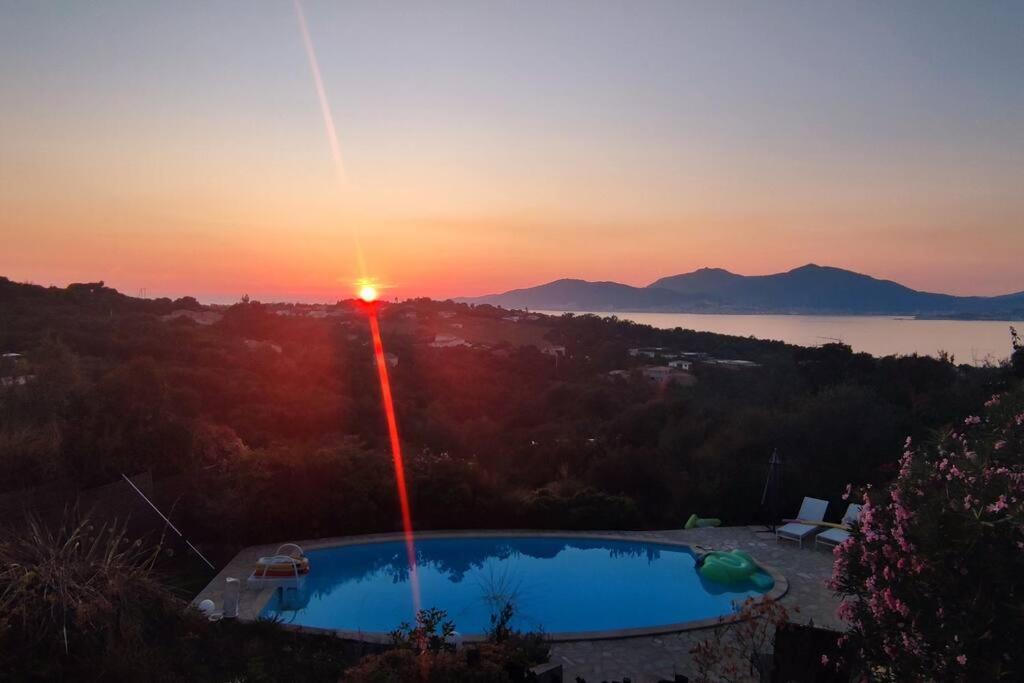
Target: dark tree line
275	420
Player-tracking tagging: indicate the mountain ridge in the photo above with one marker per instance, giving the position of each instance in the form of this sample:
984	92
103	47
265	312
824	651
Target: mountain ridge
808	289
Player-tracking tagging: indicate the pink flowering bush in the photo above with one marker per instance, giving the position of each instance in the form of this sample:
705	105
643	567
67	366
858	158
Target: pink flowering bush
933	575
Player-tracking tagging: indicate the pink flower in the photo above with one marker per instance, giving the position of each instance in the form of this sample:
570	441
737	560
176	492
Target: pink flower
824	660
999	505
962	660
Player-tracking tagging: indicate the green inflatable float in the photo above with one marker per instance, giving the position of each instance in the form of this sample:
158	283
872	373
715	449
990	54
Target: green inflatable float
731	568
695	522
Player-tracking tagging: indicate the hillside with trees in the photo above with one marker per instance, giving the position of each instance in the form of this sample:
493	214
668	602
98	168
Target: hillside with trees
270	418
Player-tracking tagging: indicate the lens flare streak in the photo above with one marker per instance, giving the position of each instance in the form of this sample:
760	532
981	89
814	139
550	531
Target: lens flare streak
329	127
321	93
396	454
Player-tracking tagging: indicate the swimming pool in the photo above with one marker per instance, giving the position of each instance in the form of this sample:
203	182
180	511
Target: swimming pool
566	585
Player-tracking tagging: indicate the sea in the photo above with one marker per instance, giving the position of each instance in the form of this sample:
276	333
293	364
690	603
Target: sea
974	342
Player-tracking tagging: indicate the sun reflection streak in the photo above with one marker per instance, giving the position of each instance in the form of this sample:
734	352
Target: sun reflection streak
396	453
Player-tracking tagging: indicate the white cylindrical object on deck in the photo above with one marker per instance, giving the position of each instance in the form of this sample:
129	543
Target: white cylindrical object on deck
232	589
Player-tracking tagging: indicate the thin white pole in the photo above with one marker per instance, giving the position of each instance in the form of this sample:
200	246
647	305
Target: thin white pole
169	523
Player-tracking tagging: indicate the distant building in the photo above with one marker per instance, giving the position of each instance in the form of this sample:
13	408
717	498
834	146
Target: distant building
256	345
554	350
650	352
447	314
445	341
735	364
656	373
680	364
511	318
663	374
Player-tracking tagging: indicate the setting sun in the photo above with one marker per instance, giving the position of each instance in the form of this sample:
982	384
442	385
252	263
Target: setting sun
368	293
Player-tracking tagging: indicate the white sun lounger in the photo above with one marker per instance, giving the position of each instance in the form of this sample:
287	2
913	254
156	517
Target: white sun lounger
812	509
832	537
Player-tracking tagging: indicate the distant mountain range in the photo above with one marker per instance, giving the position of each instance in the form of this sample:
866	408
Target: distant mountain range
810	289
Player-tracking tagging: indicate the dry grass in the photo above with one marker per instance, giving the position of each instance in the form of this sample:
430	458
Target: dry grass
76	589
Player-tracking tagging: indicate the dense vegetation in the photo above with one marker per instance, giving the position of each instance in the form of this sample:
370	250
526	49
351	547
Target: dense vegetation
934	572
272	427
262	423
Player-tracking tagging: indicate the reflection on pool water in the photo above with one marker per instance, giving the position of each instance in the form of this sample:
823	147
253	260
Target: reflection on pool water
559	585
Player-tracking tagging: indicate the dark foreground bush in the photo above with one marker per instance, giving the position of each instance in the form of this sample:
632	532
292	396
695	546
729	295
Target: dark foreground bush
425	653
82	603
933	575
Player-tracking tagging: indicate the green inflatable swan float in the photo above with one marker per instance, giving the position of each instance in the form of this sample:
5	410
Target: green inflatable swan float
733	567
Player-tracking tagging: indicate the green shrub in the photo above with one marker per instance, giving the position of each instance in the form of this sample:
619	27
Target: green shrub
933	575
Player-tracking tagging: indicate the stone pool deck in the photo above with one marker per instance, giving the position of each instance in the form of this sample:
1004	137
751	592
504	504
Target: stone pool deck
641	658
652	658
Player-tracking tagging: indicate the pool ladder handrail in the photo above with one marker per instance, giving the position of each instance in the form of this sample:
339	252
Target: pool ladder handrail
279	556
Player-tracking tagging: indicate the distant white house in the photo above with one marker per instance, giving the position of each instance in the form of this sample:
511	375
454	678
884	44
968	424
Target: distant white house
446	341
511	318
16	381
656	373
256	345
662	374
554	350
680	364
447	314
649	352
736	364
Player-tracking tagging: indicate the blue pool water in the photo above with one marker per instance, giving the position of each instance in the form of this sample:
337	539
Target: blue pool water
557	584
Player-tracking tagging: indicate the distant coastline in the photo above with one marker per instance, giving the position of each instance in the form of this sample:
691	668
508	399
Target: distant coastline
963	317
976	342
807	290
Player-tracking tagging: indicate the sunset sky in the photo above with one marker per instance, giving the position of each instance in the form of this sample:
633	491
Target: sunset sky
180	147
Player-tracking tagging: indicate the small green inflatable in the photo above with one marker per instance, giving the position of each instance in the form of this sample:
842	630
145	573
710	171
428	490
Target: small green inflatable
733	567
696	522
